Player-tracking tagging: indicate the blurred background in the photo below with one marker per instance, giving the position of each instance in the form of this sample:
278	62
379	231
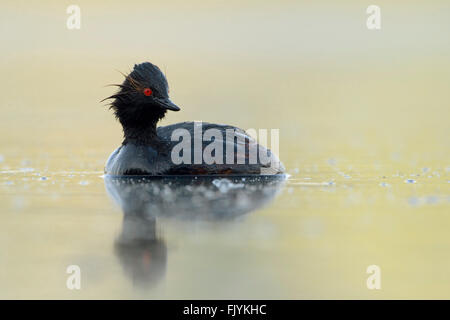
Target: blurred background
364	132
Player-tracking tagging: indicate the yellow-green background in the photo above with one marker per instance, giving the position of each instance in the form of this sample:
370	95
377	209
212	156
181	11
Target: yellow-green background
354	106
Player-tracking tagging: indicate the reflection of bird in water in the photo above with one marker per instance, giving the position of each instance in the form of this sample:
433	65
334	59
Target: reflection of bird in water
143	200
199	198
142	254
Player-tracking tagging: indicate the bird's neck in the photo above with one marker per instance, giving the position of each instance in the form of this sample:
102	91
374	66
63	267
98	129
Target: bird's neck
140	128
141	135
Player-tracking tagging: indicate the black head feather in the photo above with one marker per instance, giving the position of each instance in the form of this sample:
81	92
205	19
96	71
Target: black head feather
136	109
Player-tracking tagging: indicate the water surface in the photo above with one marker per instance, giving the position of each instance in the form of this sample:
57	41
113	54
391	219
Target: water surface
364	134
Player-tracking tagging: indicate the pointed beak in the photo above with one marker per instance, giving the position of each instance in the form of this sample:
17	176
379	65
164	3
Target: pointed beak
167	104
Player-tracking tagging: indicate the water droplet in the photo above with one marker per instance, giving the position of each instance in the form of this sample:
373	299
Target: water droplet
26	162
432	200
414	201
225	185
384	184
19	202
43	178
84	183
410	181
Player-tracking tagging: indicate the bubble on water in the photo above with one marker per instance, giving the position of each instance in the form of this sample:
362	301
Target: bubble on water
410	181
384	184
2	158
224	185
43	178
19	203
9	183
167	193
26	162
26	169
332	161
346	176
425	170
84	182
209	194
155	189
331	183
432	200
414	201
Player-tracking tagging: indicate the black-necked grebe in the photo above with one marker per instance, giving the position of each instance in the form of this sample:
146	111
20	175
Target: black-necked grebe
187	148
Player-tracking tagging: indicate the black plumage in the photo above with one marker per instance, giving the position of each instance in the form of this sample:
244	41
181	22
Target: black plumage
141	101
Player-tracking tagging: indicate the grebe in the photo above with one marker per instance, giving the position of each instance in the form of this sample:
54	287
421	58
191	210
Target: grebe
143	100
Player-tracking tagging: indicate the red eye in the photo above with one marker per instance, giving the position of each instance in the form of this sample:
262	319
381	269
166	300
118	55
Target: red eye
148	92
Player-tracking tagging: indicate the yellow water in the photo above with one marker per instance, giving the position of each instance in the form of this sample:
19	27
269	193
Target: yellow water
360	113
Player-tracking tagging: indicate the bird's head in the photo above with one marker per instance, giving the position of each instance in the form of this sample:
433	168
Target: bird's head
143	97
